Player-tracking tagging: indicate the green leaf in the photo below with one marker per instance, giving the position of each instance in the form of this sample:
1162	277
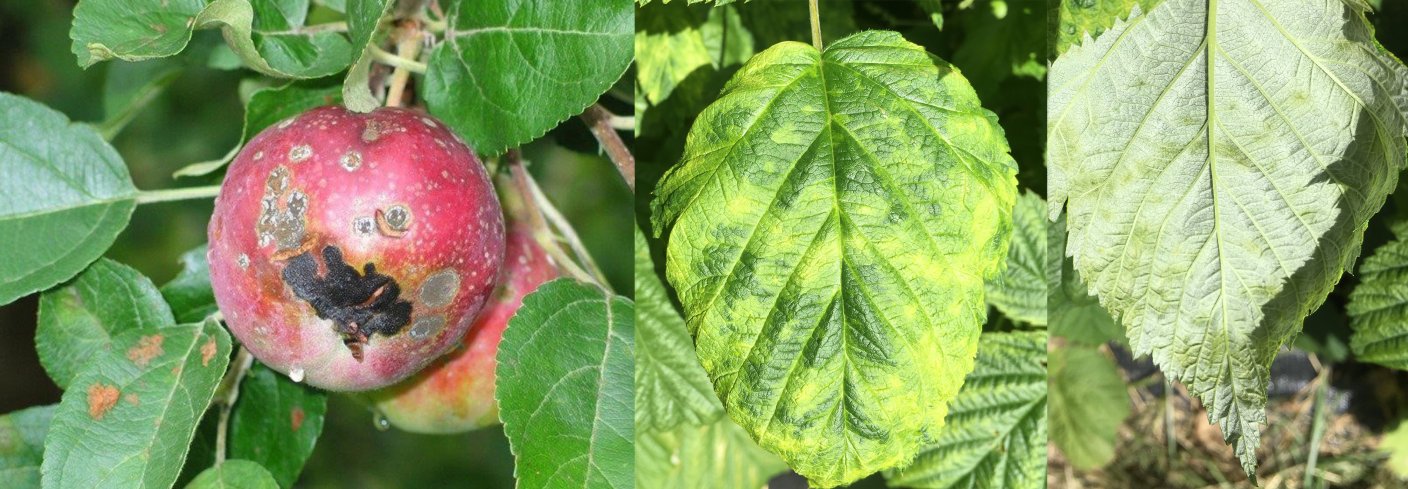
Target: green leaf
564	388
1213	204
835	215
271	38
129	417
132	30
1003	39
509	71
64	196
267	107
1082	18
995	436
671	387
276	423
189	294
235	474
1020	291
1074	313
78	320
22	445
1088	404
1378	306
129	87
669	47
365	19
712	455
935	9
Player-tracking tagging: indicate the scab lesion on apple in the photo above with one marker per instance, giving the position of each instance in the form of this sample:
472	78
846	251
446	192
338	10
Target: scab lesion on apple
359	304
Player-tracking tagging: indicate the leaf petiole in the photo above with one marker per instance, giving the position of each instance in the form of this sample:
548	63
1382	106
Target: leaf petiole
389	59
814	13
168	195
230	388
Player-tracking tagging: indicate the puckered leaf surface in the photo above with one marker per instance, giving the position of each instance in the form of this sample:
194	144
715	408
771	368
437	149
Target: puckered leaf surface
1378	307
834	218
1218	162
671	387
995	434
1020	291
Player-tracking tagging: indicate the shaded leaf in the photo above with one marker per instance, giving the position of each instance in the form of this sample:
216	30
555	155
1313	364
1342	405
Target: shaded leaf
129	417
132	30
189	294
1003	39
235	474
1217	187
129	87
276	423
1088	404
565	390
271	38
1074	313
1378	306
713	455
22	445
671	388
834	218
995	433
509	71
64	196
79	319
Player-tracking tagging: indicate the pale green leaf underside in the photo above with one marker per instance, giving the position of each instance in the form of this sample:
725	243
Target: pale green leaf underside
1218	171
1088	405
1020	291
509	71
234	474
128	418
564	388
1378	307
834	218
22	445
79	319
671	387
64	196
995	433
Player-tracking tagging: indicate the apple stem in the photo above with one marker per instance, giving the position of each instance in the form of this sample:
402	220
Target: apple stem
167	195
540	213
600	120
398	62
230	386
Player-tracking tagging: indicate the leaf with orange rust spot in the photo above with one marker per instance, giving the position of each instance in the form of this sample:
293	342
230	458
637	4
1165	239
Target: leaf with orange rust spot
97	441
81	317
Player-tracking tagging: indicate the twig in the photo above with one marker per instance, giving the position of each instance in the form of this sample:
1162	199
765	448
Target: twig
167	195
567	233
599	119
407	47
230	385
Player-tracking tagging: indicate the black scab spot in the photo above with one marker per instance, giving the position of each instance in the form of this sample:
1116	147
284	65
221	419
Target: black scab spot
359	304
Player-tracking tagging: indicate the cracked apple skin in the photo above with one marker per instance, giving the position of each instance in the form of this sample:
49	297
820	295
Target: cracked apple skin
455	394
350	250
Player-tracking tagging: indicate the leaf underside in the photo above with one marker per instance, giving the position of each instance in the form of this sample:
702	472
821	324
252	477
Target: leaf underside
1218	170
834	218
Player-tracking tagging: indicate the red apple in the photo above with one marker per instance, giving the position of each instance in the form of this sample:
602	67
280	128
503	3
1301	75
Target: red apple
350	250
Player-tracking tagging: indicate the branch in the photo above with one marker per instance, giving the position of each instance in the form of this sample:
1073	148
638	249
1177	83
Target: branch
599	120
230	385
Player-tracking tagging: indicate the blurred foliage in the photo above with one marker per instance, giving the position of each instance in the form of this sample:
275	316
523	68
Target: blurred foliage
199	117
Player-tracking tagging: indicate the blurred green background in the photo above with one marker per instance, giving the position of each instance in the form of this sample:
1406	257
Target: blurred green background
199	118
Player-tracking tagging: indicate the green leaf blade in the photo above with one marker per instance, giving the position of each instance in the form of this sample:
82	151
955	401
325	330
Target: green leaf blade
1088	405
565	387
131	30
803	251
65	196
671	388
510	71
1020	291
22	445
78	320
1212	279
1378	307
276	423
235	474
129	418
995	434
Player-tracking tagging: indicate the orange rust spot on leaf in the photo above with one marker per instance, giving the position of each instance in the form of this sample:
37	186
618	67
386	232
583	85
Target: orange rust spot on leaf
297	418
207	352
148	348
101	399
